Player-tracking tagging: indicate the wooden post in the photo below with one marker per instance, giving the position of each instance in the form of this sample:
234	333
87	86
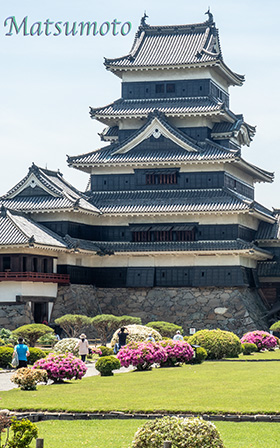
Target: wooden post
39	443
165	445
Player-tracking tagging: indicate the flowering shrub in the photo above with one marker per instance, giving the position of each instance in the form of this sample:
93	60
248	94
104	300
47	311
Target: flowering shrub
137	333
61	367
218	344
262	339
28	379
177	352
142	355
67	345
182	432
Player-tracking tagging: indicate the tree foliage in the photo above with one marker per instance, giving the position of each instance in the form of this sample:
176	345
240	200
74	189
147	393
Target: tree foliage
106	324
166	329
73	324
32	332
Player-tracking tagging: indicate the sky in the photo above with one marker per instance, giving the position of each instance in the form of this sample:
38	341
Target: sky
47	83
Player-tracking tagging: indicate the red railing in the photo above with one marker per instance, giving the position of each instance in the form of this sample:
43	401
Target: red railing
34	277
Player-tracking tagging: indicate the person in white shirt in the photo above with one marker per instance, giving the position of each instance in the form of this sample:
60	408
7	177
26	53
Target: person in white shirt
82	345
178	336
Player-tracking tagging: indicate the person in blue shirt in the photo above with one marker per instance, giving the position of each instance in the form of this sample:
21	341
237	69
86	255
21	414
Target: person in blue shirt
23	353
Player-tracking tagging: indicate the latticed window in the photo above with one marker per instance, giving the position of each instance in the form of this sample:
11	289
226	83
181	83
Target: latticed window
161	178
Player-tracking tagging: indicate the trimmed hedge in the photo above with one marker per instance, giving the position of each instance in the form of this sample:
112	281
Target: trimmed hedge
166	329
248	348
218	344
35	354
106	351
200	356
6	354
106	364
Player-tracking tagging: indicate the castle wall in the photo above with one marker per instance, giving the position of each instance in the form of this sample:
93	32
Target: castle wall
233	309
15	315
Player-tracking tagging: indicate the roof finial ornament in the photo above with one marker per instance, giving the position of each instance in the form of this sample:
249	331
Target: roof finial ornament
143	19
210	16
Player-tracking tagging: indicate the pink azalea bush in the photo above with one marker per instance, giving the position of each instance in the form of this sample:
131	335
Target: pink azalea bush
142	355
178	352
262	339
62	367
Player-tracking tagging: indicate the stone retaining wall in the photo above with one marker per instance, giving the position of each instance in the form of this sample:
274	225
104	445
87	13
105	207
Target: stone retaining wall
15	315
232	309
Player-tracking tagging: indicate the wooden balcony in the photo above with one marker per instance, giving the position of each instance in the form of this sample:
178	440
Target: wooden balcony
62	279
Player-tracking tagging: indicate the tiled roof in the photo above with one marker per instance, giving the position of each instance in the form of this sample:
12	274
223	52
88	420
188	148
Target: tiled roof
59	194
16	229
170	201
169	106
268	269
173	46
111	153
225	127
109	133
268	231
162	246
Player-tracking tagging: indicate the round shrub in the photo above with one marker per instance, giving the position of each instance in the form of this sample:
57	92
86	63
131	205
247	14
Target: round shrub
62	367
106	351
67	345
248	348
48	339
106	364
142	355
28	379
35	354
182	432
137	333
166	329
178	352
262	339
6	354
218	344
274	327
200	355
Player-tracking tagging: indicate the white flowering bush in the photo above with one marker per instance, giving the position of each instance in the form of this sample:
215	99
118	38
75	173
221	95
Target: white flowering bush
66	345
28	379
137	333
182	432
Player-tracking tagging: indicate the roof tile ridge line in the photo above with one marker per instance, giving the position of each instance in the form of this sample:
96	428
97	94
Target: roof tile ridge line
269	173
40	226
15	187
181	134
135	45
179	190
9	215
168	99
46	178
103	107
221	148
87	154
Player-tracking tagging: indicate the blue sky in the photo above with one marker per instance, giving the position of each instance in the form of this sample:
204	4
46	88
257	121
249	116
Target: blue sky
48	83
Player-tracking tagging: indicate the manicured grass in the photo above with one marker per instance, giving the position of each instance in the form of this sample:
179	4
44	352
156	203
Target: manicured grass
261	356
119	434
234	387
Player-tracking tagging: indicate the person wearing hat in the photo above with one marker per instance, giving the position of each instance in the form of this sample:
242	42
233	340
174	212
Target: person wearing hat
178	336
82	345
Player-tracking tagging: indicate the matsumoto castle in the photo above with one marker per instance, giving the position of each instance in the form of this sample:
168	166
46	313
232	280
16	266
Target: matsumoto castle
168	228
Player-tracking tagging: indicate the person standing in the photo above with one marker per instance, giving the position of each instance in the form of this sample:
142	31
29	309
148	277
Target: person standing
23	352
122	335
178	336
82	345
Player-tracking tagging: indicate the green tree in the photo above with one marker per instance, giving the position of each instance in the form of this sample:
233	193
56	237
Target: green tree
275	326
106	324
73	324
166	329
32	332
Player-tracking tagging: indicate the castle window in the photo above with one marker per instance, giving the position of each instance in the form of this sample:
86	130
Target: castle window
170	88
159	88
6	263
161	178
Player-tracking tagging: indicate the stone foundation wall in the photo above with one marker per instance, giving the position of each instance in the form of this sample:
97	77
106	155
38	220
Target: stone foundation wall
13	316
233	309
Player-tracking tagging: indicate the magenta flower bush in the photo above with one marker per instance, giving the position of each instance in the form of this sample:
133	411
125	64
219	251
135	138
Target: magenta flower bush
62	367
178	352
262	339
142	355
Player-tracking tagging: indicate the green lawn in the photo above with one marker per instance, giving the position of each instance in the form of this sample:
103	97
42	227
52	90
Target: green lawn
261	356
234	387
119	434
